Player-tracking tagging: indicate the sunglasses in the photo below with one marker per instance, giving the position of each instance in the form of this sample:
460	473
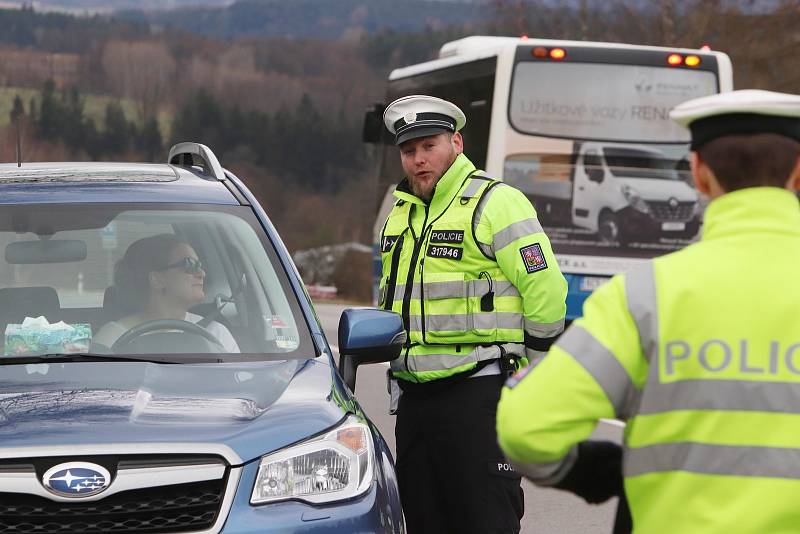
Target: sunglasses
187	264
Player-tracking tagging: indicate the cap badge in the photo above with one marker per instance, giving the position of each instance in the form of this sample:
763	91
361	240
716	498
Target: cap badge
410	117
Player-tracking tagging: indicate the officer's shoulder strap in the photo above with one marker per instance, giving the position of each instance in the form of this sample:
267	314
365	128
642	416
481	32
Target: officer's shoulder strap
486	192
474	185
397	209
485	249
383	230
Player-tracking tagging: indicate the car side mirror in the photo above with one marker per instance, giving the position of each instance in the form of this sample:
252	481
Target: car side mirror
372	131
368	335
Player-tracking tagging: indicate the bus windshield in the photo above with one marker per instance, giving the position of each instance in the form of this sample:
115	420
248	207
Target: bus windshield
599	101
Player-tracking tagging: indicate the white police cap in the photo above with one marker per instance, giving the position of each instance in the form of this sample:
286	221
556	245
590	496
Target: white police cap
415	116
744	112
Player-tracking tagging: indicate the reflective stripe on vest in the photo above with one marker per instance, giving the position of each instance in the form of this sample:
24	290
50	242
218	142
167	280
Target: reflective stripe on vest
713	460
460	289
450	360
732	395
515	231
544	330
603	366
463	322
640	292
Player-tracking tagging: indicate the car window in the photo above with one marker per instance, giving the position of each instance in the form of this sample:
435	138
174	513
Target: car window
142	280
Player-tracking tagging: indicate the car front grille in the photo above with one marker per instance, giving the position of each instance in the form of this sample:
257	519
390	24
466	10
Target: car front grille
163	492
662	211
177	508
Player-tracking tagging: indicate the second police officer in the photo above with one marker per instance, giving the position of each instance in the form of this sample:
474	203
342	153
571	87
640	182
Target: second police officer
467	264
699	350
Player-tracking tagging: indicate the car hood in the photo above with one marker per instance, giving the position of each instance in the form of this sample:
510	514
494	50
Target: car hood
657	190
252	408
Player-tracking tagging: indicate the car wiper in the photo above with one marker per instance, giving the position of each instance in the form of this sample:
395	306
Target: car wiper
149	358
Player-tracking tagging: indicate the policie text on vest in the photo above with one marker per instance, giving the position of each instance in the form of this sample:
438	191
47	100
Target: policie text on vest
717	356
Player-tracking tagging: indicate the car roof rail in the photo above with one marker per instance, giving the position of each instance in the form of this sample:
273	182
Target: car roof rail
183	154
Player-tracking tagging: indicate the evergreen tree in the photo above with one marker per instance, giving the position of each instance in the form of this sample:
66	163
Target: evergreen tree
49	116
201	119
17	109
148	139
117	132
92	143
72	126
32	110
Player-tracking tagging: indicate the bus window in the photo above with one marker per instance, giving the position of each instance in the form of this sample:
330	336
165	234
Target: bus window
622	102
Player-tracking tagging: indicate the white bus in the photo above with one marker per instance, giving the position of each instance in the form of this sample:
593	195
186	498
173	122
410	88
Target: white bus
583	129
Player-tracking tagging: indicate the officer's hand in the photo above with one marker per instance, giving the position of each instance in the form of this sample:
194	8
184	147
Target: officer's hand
597	473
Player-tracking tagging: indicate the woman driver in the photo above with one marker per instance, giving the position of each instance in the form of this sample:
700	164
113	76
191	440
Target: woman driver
160	277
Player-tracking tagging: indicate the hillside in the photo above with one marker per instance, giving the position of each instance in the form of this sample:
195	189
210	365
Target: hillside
83	7
320	19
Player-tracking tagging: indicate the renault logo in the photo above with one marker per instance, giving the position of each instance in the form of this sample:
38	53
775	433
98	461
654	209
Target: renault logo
76	479
673	203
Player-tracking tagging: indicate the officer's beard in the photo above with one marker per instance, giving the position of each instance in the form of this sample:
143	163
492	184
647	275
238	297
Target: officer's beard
423	192
426	192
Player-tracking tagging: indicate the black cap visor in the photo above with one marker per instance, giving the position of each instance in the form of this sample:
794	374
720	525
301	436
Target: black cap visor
422	131
709	128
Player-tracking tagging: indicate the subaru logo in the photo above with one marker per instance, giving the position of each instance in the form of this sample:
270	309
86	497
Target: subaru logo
76	479
673	203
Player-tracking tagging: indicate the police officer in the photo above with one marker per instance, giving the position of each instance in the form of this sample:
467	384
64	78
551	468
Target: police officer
698	350
466	263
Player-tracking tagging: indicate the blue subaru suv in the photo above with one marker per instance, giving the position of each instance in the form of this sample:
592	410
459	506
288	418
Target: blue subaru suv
163	369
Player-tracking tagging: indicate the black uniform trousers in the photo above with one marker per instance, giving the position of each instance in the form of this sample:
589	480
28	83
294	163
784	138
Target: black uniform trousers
452	476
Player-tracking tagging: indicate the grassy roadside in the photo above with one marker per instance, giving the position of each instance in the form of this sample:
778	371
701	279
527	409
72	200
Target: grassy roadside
94	107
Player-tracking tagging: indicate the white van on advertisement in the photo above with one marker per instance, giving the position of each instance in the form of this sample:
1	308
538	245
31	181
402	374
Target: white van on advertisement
614	195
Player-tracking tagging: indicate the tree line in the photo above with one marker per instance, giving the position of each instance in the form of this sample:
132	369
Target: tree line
304	146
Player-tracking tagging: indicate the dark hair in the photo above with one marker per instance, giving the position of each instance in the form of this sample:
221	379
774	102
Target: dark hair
132	272
740	161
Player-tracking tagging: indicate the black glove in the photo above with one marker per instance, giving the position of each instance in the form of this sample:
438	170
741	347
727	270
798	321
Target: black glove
596	475
623	523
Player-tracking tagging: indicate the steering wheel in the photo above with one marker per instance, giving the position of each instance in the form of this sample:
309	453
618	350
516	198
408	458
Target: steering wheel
165	324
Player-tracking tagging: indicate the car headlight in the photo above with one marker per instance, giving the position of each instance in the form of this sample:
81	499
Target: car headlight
634	199
696	206
334	466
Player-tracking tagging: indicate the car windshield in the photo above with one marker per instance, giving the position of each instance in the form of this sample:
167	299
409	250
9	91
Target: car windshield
635	163
169	279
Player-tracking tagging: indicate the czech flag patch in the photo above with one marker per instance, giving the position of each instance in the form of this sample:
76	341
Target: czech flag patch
533	258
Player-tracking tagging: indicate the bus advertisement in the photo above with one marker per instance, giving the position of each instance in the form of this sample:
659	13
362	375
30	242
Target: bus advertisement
583	129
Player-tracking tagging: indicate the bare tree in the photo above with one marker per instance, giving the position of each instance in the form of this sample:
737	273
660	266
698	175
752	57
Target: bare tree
142	71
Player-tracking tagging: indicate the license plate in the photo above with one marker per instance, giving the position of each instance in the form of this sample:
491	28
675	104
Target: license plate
590	283
673	226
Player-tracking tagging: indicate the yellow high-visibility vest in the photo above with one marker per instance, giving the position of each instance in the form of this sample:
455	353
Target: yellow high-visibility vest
472	274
